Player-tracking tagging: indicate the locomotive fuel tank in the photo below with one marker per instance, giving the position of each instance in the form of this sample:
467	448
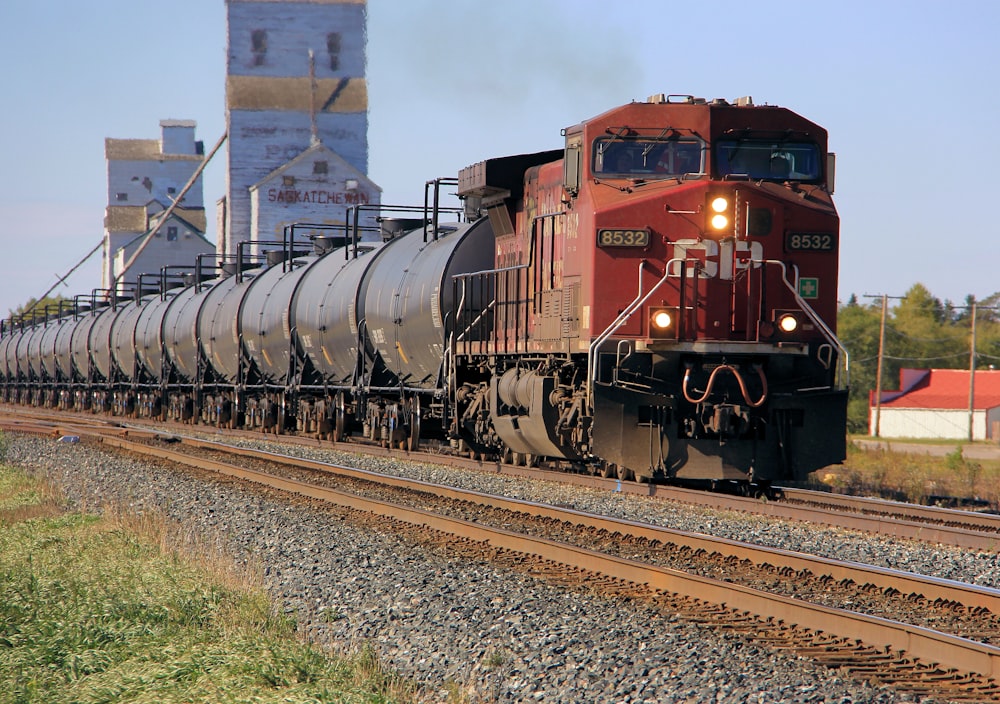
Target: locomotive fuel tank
410	296
327	307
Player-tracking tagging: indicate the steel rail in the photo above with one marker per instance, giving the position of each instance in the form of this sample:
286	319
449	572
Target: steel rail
968	519
906	582
967	530
915	641
971	535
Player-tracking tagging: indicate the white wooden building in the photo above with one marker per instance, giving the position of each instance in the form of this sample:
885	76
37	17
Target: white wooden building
144	178
317	186
295	78
934	403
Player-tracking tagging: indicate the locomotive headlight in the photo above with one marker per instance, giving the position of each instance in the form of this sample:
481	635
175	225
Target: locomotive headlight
719	212
662	323
662	319
719	204
788	323
719	222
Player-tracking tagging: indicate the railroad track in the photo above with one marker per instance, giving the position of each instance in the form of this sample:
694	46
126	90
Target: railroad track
963	529
925	646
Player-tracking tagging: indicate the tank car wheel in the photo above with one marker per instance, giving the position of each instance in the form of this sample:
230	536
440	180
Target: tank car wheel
339	418
609	470
413	439
624	473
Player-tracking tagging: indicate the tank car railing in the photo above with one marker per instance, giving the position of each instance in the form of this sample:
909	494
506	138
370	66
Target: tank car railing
844	369
627	313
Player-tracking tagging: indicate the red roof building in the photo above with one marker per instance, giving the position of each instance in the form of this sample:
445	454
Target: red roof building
934	403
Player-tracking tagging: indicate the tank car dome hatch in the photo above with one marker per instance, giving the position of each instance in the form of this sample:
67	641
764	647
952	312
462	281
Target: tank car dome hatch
323	244
274	257
393	227
410	294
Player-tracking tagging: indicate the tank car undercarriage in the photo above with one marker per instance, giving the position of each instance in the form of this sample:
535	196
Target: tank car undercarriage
647	416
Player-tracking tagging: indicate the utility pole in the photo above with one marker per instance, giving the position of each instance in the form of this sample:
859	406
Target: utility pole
972	372
878	373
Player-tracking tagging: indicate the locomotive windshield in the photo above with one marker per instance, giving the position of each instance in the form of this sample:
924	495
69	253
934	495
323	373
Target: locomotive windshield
768	159
647	157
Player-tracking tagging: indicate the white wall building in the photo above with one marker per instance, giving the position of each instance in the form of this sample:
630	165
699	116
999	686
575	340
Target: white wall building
144	178
317	186
934	404
295	77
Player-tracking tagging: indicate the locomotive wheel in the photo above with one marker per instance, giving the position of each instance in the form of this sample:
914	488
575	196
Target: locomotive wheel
609	469
624	473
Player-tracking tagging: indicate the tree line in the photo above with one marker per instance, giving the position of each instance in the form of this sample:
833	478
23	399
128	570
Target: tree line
921	332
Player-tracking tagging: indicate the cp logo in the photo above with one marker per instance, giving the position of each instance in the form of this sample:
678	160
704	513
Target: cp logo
721	259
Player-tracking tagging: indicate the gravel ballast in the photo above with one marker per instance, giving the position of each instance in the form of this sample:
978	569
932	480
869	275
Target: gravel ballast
475	630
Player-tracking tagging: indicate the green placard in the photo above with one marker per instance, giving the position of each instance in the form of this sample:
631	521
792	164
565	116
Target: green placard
809	287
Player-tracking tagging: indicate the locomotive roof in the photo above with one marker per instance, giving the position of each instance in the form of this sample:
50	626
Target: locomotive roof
708	119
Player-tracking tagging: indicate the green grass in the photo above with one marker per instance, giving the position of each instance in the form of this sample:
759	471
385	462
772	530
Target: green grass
914	477
105	610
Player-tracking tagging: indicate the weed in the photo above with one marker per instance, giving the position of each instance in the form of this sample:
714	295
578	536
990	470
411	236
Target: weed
121	607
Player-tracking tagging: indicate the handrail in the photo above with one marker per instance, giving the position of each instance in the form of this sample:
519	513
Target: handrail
621	320
813	316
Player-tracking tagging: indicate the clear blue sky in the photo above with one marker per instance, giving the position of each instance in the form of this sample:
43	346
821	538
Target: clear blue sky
908	90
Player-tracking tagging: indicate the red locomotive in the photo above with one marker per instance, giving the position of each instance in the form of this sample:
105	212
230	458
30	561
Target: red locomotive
664	297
